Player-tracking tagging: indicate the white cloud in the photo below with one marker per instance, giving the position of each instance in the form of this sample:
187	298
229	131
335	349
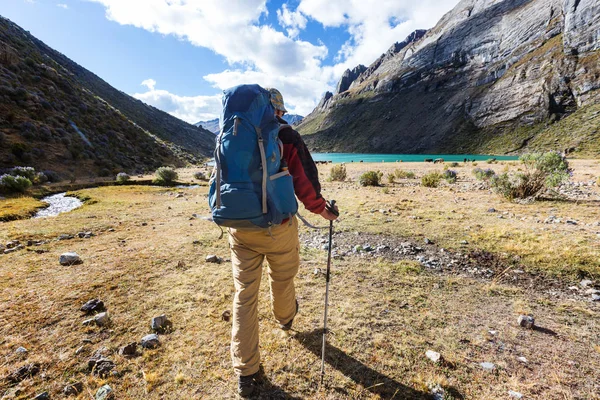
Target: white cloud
292	21
62	5
149	83
260	53
188	108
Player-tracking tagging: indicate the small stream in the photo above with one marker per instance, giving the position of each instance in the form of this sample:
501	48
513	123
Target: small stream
58	204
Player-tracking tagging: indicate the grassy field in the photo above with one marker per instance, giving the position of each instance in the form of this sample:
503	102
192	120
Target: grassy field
147	257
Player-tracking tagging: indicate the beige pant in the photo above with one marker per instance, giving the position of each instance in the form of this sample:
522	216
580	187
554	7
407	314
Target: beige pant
248	251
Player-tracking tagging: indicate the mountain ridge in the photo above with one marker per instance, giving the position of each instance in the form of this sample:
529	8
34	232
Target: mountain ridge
490	76
57	115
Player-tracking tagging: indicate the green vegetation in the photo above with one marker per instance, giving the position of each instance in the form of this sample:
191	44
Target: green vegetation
371	178
450	176
12	184
338	173
431	179
122	178
165	176
542	171
483	174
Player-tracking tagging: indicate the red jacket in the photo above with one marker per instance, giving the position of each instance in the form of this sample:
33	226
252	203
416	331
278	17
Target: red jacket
302	168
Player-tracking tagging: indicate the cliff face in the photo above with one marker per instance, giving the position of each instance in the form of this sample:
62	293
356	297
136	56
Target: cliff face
56	115
490	76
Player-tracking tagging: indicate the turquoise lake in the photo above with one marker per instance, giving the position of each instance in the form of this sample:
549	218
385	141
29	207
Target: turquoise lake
371	158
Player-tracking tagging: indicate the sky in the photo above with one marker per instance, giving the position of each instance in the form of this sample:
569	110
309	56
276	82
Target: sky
179	55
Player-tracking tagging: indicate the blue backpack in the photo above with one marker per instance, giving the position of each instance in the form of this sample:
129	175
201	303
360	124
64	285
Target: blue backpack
251	186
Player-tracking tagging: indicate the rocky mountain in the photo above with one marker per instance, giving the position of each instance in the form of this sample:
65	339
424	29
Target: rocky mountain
211	126
56	115
293	119
493	76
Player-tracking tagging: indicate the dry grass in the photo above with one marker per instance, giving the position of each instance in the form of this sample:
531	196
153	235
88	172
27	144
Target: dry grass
383	315
19	208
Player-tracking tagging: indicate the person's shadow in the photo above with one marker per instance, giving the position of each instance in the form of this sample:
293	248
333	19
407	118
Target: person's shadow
373	381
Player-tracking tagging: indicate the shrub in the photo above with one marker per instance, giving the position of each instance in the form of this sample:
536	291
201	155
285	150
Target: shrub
450	176
40	177
122	177
483	174
542	171
200	176
26	172
165	176
19	149
2	138
338	173
391	178
52	176
370	178
431	179
401	174
10	183
454	165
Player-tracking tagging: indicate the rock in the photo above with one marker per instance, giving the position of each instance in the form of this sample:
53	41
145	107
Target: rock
129	350
571	222
358	248
226	316
21	350
74	389
211	258
160	323
595	297
428	241
463	242
592	291
69	259
65	237
515	395
488	366
102	367
585	283
105	393
42	396
150	341
526	321
522	360
92	306
12	244
110	229
88	322
79	350
433	356
26	371
101	319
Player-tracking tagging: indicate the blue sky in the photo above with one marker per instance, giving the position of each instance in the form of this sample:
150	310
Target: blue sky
187	51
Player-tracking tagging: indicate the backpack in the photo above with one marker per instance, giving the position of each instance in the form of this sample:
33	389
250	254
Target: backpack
250	186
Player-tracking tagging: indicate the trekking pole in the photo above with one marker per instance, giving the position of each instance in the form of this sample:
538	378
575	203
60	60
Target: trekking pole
331	208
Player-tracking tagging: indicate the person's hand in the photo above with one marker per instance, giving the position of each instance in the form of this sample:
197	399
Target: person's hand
328	215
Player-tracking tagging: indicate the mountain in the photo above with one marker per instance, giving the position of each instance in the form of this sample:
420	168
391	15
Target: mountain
293	119
211	126
493	76
56	115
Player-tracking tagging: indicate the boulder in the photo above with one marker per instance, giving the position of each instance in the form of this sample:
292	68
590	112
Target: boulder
105	393
74	389
69	259
150	341
93	306
526	321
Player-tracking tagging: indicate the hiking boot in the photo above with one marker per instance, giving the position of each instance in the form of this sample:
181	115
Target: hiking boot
247	385
288	326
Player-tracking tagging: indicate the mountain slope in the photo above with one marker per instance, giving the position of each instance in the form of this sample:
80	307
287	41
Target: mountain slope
491	76
54	114
211	126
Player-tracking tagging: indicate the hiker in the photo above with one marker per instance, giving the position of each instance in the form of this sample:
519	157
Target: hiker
278	244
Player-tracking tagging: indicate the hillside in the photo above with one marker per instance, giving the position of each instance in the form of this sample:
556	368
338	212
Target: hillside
491	76
211	126
56	115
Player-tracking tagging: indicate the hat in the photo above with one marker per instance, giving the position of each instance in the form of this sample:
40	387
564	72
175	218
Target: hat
277	99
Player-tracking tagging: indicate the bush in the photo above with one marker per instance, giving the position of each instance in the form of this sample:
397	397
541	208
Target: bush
454	165
391	178
40	177
338	173
165	176
542	171
483	174
431	179
370	178
450	176
401	174
26	172
52	176
200	176
2	138
10	183
122	177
